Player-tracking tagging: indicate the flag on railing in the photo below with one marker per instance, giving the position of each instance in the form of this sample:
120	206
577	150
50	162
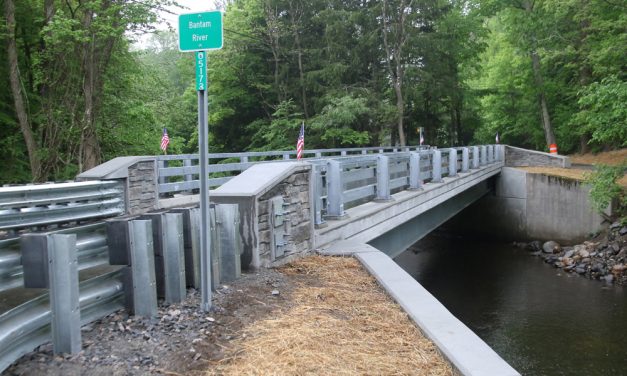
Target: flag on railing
422	138
300	143
165	140
497	137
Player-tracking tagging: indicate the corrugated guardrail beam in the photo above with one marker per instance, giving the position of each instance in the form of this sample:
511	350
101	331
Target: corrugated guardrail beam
91	246
24	207
27	326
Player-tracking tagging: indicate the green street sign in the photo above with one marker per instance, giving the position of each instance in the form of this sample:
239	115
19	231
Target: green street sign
201	70
200	31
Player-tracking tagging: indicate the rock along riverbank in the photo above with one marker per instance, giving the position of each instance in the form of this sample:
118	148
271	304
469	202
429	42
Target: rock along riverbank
602	258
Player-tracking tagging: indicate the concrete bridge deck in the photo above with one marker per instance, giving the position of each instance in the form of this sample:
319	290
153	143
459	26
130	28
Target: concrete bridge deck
371	221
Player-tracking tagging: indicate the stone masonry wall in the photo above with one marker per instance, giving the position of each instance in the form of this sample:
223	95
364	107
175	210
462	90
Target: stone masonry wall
297	224
142	187
516	157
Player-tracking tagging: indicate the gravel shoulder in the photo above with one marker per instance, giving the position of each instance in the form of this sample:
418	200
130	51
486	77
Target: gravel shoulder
318	315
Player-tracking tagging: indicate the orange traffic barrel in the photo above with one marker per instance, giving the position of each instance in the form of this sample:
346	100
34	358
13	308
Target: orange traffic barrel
553	148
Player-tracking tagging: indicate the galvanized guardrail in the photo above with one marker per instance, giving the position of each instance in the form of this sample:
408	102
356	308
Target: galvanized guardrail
92	251
36	206
178	173
345	182
27	326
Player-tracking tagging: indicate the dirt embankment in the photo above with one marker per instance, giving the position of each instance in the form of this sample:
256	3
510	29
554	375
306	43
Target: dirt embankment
317	316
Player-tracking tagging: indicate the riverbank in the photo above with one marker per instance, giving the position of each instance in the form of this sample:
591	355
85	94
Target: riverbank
602	258
319	315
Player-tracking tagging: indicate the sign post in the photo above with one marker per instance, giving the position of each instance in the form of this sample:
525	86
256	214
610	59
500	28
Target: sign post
201	32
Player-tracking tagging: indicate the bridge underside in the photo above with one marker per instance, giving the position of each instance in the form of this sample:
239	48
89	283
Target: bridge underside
394	242
395	225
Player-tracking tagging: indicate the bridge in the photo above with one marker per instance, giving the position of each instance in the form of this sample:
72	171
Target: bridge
131	225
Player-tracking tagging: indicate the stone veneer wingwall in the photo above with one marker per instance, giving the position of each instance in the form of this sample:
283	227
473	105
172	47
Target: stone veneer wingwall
142	190
139	175
276	217
297	225
518	157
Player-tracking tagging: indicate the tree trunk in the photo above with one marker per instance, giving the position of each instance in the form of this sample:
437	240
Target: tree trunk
397	73
296	15
539	82
16	91
400	109
585	72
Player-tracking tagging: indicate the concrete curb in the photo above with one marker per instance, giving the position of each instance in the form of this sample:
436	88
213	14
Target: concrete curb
463	348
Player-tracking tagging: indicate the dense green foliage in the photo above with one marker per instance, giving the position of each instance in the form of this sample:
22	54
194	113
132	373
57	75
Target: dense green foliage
605	189
75	91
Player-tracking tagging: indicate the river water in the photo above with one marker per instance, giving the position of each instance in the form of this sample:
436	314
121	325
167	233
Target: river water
542	321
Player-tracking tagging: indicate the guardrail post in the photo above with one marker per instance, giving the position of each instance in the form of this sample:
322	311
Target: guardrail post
158	241
64	294
216	246
227	221
191	244
317	176
437	167
475	157
383	178
50	261
140	283
286	157
343	153
173	258
501	154
484	157
318	154
364	151
414	171
464	159
452	162
243	159
335	201
490	153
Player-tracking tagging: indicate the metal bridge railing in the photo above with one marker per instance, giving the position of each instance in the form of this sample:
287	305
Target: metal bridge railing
345	182
179	173
36	206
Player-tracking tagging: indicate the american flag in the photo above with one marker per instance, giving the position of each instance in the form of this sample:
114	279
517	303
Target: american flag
300	144
165	140
422	138
497	137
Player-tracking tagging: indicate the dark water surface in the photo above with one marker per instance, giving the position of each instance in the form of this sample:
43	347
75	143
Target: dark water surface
542	321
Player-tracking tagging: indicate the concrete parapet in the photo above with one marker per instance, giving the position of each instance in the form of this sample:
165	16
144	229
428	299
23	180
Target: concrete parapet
463	348
518	157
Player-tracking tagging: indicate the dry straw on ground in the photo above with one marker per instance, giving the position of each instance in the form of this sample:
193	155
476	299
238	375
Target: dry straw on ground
337	321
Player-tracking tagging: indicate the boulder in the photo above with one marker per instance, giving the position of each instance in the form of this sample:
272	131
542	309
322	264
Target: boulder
551	247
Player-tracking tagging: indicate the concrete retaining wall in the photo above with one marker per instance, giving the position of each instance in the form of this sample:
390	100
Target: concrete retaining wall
529	206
